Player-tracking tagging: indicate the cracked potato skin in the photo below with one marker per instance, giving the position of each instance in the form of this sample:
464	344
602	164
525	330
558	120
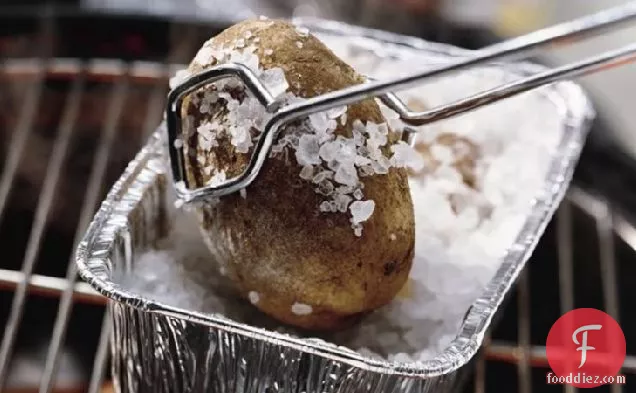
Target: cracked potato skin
275	241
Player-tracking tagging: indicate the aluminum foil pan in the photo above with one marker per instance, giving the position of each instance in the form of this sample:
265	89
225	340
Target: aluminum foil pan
159	348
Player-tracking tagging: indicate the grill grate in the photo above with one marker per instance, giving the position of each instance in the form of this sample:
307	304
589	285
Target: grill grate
34	75
137	87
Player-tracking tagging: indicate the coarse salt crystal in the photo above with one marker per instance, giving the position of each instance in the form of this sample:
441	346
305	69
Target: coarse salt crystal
328	151
376	138
405	156
275	81
361	211
345	189
325	187
268	52
342	201
178	143
357	194
381	167
383	129
243	193
299	44
278	148
303	31
179	77
321	176
254	297
358	125
346	174
247	58
442	153
362	161
204	56
308	148
319	122
358	139
301	309
336	112
366	170
392	237
343	119
263	17
207	130
217	179
307	172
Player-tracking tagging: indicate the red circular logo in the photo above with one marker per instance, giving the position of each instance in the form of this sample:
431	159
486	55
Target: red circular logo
585	349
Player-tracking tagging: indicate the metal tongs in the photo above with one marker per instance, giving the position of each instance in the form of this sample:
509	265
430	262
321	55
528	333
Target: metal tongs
514	48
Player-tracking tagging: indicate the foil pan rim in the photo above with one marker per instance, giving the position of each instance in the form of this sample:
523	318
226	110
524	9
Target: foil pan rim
95	249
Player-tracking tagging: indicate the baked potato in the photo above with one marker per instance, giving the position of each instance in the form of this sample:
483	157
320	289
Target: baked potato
320	238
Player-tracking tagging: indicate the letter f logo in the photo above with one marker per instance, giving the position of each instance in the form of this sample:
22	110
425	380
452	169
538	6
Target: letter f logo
583	344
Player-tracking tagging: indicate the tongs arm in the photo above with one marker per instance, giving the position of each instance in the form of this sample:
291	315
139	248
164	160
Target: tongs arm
560	34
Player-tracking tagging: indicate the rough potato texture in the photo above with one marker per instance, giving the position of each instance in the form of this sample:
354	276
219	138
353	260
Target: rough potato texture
275	241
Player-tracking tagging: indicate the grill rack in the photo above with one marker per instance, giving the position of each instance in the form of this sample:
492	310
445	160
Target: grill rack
120	76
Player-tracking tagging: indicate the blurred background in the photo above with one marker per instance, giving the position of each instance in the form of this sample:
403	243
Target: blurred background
83	83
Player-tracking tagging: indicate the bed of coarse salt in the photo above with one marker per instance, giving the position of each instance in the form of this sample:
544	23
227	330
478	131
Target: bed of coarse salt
459	246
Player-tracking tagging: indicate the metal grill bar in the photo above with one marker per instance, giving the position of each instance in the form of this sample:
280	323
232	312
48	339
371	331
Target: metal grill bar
19	139
604	225
95	183
41	217
154	110
24	126
564	249
67	296
18	143
99	365
50	287
523	367
605	229
564	241
509	353
182	43
480	370
105	70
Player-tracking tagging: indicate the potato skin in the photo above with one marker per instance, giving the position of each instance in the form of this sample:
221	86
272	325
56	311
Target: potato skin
275	241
